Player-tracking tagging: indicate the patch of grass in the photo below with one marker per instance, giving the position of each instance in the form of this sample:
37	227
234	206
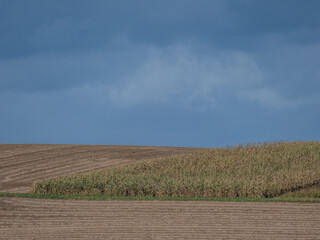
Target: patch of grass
252	171
306	193
144	198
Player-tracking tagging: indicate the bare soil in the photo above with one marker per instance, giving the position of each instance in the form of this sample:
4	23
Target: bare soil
23	164
69	219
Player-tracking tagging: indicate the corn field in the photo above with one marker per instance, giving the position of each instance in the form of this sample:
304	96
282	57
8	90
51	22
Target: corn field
254	170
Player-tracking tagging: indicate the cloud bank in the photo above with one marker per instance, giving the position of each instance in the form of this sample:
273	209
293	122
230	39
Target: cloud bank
192	76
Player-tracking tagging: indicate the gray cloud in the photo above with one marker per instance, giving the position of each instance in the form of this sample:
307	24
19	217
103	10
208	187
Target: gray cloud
44	26
58	71
190	74
174	75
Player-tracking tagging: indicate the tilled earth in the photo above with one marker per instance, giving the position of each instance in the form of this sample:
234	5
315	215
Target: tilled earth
22	218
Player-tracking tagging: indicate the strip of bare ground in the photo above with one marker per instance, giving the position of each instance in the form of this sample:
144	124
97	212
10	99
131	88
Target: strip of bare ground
22	218
23	164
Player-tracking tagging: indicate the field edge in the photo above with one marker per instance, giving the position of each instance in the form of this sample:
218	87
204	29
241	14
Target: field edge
126	198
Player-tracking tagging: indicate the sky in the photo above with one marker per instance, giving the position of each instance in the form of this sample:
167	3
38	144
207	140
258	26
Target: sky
192	73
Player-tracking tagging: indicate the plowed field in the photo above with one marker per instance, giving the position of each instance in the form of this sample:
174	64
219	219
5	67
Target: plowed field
23	164
65	219
22	218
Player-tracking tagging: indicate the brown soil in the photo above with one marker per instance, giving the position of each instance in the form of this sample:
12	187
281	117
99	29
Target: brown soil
23	164
68	219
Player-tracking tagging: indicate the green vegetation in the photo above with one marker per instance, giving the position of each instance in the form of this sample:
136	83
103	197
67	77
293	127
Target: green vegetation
305	193
144	198
252	171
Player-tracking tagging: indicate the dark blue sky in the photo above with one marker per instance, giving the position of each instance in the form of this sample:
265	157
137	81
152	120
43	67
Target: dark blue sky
172	72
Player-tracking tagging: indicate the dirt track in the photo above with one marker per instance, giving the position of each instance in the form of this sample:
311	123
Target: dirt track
22	218
23	164
64	219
